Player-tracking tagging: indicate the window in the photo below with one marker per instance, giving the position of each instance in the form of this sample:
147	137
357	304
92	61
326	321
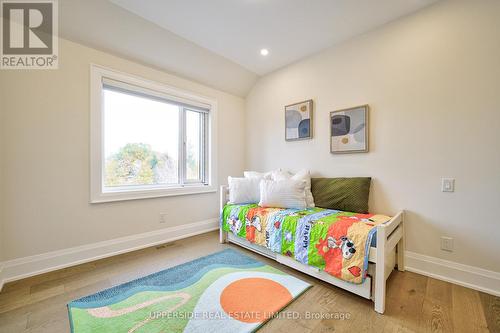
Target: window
148	140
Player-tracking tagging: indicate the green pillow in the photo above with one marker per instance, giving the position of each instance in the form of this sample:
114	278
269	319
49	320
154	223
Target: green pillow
346	194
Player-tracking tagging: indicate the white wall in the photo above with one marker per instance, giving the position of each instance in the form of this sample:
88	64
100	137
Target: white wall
432	80
45	158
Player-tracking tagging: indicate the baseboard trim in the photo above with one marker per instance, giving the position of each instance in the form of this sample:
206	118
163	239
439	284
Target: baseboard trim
468	276
21	268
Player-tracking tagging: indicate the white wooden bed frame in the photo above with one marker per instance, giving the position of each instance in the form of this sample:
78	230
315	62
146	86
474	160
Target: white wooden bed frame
388	253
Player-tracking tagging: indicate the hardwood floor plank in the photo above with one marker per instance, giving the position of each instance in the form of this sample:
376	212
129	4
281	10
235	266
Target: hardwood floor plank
13	323
52	326
75	270
439	291
405	304
468	316
491	310
436	310
436	317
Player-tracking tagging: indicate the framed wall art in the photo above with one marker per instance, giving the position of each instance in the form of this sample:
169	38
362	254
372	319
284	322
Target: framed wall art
298	121
349	130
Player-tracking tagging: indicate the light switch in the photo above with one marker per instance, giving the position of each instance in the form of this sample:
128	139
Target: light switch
448	185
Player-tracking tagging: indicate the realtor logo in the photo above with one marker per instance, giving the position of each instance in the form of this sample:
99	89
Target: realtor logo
29	34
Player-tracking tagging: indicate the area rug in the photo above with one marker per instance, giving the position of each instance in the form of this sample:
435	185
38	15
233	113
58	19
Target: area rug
223	292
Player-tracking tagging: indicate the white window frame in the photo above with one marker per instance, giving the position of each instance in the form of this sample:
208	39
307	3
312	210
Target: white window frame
98	75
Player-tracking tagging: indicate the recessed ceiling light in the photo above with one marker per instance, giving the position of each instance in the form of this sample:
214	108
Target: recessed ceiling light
264	52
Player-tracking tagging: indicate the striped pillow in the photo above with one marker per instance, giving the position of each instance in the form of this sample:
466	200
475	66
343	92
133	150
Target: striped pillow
301	175
286	193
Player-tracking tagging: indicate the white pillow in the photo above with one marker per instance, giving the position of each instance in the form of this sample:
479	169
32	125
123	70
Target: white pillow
280	175
286	193
255	174
301	175
243	190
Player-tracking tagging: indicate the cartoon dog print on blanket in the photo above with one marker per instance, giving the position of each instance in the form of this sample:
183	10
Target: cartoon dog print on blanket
337	248
255	222
234	224
344	244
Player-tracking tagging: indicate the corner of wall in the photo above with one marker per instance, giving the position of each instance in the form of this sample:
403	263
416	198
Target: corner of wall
1	190
1	277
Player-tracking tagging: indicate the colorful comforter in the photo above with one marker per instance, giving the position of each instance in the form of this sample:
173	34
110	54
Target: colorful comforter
335	241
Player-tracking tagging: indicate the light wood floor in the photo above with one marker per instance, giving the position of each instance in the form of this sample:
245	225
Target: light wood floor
415	303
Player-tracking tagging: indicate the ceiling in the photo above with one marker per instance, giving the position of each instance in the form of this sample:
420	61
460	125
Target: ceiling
289	29
218	42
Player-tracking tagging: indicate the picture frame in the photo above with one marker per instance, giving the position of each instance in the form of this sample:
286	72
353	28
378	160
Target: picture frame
349	130
299	121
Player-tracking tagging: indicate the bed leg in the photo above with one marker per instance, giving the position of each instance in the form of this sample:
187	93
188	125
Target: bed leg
401	255
380	271
222	236
380	295
223	201
400	247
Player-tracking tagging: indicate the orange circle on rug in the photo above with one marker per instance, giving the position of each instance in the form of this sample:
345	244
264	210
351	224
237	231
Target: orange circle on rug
254	300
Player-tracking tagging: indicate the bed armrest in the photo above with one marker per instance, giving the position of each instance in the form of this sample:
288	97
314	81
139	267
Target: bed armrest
389	235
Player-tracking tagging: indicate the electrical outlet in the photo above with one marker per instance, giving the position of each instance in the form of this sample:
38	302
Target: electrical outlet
447	244
163	218
448	185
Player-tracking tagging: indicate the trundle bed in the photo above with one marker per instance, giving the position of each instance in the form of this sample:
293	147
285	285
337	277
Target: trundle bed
385	252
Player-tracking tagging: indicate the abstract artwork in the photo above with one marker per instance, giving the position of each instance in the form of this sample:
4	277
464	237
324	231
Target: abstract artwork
349	130
298	121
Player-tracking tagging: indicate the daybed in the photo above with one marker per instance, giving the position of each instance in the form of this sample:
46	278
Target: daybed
383	253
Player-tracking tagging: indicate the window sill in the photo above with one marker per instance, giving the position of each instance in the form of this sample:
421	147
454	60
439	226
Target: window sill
150	193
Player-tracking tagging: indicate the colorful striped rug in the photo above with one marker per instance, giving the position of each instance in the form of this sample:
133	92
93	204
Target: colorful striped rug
223	292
